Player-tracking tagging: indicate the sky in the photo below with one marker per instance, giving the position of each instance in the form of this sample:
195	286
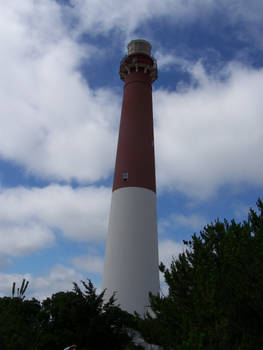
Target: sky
60	104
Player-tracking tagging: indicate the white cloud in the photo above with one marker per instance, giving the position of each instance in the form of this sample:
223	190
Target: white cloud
241	210
59	278
105	16
5	262
28	216
211	134
193	221
101	17
89	263
166	60
250	14
169	249
59	128
51	121
6	282
23	238
175	220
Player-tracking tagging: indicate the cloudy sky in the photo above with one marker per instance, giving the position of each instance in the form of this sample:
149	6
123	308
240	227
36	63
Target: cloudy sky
60	102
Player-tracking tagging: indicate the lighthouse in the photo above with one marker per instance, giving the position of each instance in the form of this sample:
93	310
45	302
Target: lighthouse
131	259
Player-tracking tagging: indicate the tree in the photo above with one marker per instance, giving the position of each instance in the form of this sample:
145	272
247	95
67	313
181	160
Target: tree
19	323
82	317
215	290
79	316
20	291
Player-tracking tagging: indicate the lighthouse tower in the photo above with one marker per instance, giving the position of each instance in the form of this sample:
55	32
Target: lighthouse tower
131	262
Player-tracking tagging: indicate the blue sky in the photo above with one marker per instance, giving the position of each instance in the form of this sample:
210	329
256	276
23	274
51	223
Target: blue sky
60	102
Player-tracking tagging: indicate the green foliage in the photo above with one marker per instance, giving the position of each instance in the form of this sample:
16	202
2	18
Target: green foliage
20	292
76	317
82	318
215	290
215	302
19	323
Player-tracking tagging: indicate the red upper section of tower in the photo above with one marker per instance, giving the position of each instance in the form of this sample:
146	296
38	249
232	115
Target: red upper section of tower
135	166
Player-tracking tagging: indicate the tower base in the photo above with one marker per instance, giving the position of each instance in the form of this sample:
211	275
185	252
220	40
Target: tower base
131	263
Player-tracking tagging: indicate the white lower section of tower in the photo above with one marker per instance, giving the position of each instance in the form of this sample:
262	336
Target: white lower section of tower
131	261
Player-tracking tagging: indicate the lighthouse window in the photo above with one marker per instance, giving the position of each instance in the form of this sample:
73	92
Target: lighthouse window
125	176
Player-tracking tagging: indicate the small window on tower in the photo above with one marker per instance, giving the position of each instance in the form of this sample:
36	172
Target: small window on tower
125	176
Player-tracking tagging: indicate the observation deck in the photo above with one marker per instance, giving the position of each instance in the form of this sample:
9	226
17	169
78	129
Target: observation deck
139	59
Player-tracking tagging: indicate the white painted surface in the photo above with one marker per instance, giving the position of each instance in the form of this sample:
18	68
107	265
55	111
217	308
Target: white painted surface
131	261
